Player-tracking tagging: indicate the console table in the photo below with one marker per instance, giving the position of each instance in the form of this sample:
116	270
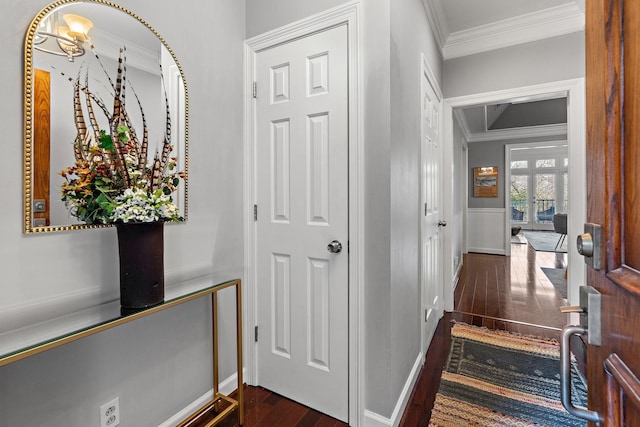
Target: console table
43	336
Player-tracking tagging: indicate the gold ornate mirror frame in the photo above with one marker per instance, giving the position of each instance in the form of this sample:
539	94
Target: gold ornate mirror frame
29	94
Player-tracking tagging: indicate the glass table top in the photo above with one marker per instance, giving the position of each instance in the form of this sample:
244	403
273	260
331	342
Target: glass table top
40	336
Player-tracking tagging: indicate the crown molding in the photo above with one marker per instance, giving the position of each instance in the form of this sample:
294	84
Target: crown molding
107	45
520	133
551	22
437	21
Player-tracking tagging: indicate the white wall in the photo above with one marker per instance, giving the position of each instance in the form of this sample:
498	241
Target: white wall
459	174
159	364
263	16
550	60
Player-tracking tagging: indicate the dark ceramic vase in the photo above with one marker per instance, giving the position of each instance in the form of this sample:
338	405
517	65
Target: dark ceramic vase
141	250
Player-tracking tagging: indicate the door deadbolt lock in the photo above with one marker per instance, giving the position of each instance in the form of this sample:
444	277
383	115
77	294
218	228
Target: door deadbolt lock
442	223
585	245
588	245
335	247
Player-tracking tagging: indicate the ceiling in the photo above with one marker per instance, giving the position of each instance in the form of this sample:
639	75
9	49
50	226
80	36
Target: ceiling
467	27
464	27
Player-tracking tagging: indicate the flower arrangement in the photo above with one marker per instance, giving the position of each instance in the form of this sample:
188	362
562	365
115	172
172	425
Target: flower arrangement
110	181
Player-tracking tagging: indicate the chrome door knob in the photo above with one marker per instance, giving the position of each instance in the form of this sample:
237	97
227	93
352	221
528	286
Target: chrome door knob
334	247
442	223
585	245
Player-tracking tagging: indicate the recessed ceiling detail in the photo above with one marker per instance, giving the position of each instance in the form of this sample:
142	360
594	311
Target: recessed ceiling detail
511	120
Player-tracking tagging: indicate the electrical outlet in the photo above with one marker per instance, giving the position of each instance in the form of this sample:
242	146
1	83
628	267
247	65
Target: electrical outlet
110	413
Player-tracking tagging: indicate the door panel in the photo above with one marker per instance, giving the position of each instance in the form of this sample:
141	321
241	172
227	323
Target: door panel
432	243
613	118
302	197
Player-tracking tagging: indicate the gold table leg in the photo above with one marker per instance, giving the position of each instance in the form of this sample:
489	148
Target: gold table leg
217	397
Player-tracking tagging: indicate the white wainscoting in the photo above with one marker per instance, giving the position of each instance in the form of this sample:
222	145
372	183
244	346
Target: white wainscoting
485	230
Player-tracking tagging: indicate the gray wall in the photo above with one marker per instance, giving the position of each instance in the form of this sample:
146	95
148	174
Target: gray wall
550	60
410	37
491	153
160	364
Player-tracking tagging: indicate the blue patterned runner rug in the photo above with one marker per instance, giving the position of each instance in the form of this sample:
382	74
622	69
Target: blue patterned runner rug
497	378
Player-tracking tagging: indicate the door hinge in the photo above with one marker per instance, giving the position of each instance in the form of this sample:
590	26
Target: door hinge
425	209
255	89
255	334
255	212
425	314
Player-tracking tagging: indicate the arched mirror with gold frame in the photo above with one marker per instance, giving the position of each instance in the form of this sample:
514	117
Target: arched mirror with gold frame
82	41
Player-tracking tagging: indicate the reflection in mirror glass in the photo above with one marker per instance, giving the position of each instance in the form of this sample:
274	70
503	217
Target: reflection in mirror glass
81	42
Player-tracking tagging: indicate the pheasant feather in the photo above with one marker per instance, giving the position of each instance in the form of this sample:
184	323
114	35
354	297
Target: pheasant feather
116	120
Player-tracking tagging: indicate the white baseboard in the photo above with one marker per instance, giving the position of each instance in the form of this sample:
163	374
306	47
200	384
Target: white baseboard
371	419
456	276
492	251
226	387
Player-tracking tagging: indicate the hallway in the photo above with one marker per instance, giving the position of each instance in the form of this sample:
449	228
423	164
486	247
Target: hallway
496	292
508	293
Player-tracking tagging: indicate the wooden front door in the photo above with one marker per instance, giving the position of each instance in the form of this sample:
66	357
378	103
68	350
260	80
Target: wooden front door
613	199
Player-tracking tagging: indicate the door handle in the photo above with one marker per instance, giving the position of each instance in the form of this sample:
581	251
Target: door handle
335	247
442	223
565	375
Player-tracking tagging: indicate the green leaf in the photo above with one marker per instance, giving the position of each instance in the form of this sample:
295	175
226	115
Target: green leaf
122	133
176	181
106	143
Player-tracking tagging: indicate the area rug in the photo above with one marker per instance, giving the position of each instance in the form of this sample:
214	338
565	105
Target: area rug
545	241
556	277
496	378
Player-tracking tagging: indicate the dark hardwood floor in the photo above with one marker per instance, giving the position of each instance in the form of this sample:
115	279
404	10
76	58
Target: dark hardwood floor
497	292
508	293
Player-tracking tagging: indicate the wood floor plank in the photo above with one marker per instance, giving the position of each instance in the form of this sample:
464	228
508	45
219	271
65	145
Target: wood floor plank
498	292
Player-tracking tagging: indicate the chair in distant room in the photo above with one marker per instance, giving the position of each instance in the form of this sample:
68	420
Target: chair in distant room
560	227
546	215
516	215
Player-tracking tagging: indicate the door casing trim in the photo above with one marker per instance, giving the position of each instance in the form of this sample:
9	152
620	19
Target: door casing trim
346	14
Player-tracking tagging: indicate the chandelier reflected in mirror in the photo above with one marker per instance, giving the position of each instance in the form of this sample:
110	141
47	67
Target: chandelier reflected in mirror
64	40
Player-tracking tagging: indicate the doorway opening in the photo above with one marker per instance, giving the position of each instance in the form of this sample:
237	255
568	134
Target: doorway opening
495	220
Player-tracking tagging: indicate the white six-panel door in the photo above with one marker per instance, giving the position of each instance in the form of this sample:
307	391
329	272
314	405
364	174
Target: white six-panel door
431	241
302	198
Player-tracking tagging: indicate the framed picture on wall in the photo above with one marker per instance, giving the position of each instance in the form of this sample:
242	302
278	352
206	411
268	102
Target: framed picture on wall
485	181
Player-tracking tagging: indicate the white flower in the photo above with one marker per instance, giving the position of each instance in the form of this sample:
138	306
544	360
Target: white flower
137	205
